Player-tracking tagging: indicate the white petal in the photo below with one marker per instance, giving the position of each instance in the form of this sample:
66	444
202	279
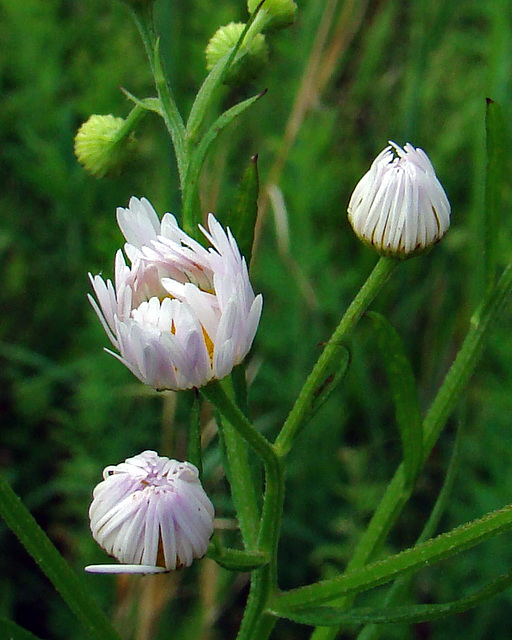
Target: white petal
124	568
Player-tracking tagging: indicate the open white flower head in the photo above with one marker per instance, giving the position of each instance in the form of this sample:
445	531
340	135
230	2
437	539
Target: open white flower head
399	206
180	315
152	514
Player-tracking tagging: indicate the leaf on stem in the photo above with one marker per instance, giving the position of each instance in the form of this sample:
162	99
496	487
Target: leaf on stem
242	217
72	589
407	614
495	141
405	395
332	378
149	104
212	82
377	573
236	560
10	630
401	585
199	153
194	453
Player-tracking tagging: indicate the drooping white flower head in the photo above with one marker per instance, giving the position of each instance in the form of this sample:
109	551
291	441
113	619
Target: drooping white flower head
399	206
180	315
152	514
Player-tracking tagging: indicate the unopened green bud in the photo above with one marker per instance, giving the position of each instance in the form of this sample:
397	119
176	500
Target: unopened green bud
250	59
278	13
100	145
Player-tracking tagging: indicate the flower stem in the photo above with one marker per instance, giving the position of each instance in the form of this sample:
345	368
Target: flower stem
240	478
144	20
132	120
215	393
456	379
318	375
39	546
264	579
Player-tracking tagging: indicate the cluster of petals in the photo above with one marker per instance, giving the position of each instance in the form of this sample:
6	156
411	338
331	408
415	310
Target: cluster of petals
399	206
152	514
179	314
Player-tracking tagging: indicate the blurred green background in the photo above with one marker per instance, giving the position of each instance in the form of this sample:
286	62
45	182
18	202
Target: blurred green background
342	81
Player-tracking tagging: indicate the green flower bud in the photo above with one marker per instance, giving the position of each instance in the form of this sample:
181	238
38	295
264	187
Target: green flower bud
250	59
101	146
279	13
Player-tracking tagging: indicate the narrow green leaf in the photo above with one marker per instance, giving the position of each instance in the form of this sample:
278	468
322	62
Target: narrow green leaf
194	453
395	497
149	104
199	153
70	586
11	631
407	614
371	631
239	382
170	112
377	573
334	374
495	141
236	560
237	463
241	218
405	395
205	94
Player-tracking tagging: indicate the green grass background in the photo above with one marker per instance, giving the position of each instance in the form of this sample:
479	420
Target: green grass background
347	77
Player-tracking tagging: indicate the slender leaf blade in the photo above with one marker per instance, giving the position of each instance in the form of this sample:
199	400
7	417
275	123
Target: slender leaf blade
11	631
405	395
495	142
413	559
236	560
213	80
408	614
72	589
198	155
242	217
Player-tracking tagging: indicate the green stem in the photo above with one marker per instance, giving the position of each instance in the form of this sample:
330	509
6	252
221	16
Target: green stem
194	452
263	580
456	379
144	20
133	119
240	478
256	624
372	631
316	379
39	546
215	393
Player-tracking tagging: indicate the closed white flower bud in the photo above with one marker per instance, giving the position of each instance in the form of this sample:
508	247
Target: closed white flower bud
152	514
399	206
